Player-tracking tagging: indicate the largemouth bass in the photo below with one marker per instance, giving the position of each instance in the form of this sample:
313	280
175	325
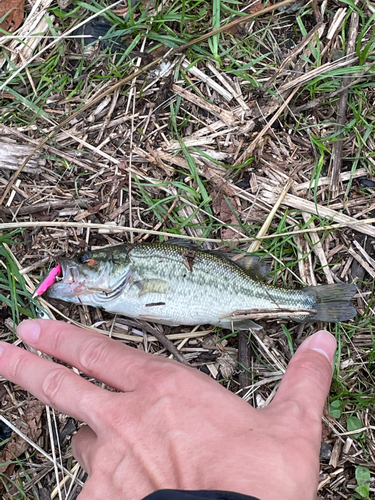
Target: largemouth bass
177	285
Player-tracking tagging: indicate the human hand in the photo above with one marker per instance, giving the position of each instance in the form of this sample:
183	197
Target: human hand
172	427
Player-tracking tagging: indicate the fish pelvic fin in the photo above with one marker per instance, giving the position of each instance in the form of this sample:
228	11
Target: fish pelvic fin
331	302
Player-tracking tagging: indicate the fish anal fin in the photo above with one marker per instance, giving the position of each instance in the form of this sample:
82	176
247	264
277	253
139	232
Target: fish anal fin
245	324
300	315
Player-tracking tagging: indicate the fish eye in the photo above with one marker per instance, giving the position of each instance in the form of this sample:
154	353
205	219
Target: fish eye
84	257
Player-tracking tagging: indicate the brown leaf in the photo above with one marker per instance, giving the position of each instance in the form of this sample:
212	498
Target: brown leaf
255	7
223	191
223	204
13	10
30	425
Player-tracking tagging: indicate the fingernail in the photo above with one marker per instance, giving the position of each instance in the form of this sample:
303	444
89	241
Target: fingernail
322	342
29	331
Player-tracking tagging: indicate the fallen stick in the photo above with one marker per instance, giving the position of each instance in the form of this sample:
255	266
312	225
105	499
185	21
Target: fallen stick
341	114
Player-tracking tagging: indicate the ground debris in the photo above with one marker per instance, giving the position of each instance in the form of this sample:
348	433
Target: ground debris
30	425
201	146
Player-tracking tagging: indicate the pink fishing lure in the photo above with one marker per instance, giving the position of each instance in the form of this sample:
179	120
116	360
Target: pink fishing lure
48	281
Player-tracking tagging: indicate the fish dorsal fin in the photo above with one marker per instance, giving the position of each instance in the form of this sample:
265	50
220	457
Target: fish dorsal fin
254	266
188	244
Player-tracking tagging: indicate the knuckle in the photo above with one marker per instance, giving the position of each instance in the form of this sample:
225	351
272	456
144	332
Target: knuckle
58	337
16	367
52	385
166	378
296	411
298	415
316	372
92	355
294	417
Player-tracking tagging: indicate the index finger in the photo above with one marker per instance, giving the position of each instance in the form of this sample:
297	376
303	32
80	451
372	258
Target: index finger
53	384
119	366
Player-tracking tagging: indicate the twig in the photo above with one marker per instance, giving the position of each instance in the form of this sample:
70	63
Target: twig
168	345
269	193
317	248
111	229
320	70
259	314
324	181
109	115
341	114
361	250
243	359
305	264
294	53
37	447
263	230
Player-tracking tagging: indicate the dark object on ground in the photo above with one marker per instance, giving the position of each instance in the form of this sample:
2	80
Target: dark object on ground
197	495
5	433
69	428
325	451
366	183
43	494
99	39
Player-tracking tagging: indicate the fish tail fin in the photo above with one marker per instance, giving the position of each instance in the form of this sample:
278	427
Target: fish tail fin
331	302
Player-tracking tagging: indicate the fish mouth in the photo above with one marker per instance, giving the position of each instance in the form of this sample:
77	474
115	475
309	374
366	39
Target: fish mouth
68	274
68	283
63	277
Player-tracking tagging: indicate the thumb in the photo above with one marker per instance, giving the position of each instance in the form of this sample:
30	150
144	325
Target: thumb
308	377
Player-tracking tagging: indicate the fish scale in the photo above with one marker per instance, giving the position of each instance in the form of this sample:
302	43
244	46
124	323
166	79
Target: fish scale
178	285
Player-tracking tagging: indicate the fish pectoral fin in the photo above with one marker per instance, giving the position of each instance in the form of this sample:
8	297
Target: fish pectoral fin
152	286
